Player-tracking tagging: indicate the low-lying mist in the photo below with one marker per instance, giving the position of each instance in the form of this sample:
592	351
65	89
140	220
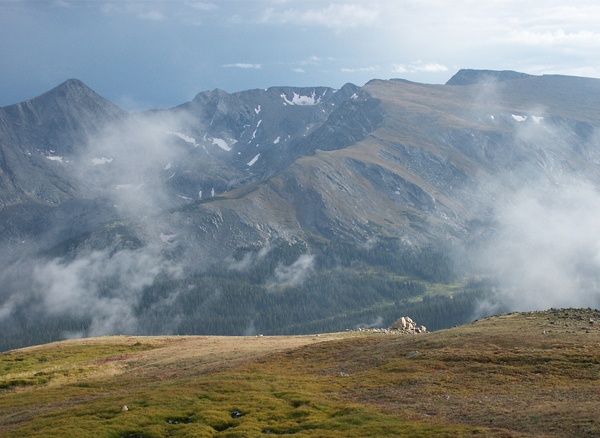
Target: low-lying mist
541	245
545	249
99	278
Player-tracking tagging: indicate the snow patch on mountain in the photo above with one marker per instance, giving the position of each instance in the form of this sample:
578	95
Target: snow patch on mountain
253	160
519	118
537	119
301	100
222	144
186	138
54	158
257	110
96	161
276	140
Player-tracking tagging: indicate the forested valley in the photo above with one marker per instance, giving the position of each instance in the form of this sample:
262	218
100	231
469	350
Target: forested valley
271	292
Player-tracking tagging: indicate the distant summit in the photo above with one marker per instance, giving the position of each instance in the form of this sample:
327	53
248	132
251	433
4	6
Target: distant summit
74	92
72	84
472	77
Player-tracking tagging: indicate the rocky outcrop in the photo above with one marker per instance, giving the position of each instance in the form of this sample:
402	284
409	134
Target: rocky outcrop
403	326
407	325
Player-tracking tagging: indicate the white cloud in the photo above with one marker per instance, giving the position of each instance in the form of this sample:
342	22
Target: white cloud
556	38
248	260
360	69
419	67
138	146
294	274
63	4
546	252
497	34
555	14
203	6
334	16
141	10
74	288
298	70
152	15
311	60
243	65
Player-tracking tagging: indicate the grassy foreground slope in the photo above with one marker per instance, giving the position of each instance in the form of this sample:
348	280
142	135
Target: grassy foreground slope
522	374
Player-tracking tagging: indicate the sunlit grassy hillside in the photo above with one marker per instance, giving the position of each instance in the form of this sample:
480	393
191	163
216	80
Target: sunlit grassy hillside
530	374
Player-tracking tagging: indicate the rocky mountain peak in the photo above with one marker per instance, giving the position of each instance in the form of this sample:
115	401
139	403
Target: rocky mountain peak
211	95
72	94
72	100
72	85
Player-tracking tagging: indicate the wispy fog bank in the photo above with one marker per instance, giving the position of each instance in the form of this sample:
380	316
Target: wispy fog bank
102	287
295	273
545	250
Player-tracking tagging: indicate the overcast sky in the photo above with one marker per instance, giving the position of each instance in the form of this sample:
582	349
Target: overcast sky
156	54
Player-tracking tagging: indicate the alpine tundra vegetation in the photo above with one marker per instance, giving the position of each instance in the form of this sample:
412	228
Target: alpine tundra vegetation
520	374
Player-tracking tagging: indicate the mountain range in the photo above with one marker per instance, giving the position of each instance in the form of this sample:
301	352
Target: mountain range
300	208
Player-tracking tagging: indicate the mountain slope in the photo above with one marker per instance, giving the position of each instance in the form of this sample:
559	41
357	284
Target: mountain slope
525	374
37	135
415	174
294	210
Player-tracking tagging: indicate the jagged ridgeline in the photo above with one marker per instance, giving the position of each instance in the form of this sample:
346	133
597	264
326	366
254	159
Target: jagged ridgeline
297	210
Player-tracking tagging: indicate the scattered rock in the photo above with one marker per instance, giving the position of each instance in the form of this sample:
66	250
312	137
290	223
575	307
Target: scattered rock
236	414
124	408
412	354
